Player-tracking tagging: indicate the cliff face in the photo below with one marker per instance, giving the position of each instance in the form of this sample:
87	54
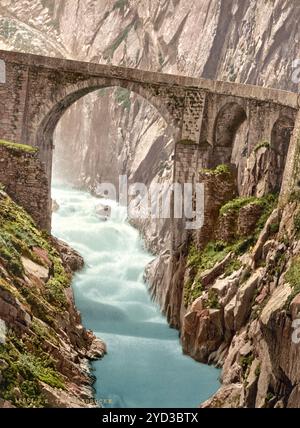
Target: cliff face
44	350
240	301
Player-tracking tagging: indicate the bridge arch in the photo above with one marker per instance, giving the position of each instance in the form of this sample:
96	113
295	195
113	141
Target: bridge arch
67	96
229	120
281	135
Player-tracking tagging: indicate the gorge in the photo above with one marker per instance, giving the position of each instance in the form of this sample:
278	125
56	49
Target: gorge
144	366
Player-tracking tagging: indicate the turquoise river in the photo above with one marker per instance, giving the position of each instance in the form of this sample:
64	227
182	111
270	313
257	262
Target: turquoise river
144	366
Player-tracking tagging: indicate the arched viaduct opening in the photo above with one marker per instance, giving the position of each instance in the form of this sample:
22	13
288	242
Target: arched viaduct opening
280	140
230	137
121	122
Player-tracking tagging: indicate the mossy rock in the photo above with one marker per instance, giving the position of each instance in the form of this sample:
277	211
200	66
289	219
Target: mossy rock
262	145
222	169
18	147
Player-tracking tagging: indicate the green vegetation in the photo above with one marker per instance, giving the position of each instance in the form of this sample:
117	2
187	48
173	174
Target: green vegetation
192	290
258	370
238	203
267	204
214	252
245	363
293	278
233	266
18	147
297	223
161	59
24	363
220	169
199	262
213	300
294	196
24	370
120	4
123	98
270	397
262	144
18	237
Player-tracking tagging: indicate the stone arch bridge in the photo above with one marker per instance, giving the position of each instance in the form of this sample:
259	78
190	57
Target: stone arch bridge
214	122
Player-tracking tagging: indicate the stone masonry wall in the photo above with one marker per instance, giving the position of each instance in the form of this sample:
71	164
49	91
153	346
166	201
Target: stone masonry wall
24	179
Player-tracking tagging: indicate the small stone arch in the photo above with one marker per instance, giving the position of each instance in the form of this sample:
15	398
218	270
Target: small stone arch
281	134
229	120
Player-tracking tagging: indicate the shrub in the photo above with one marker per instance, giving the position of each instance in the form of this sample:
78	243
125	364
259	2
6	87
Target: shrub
297	223
262	144
220	169
213	300
293	278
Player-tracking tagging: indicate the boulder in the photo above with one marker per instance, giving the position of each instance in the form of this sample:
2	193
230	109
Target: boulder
247	219
244	299
264	235
32	268
276	302
227	287
228	397
72	260
202	333
229	315
251	384
295	307
209	276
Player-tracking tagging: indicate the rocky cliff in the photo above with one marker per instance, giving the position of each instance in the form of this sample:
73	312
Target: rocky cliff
44	350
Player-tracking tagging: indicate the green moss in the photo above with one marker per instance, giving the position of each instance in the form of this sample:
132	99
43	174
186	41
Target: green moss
192	290
237	204
24	371
293	278
257	371
219	170
233	266
212	301
267	204
44	331
5	285
294	196
213	253
27	362
297	223
120	4
9	254
270	397
123	98
18	236
18	147
199	262
245	363
262	144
